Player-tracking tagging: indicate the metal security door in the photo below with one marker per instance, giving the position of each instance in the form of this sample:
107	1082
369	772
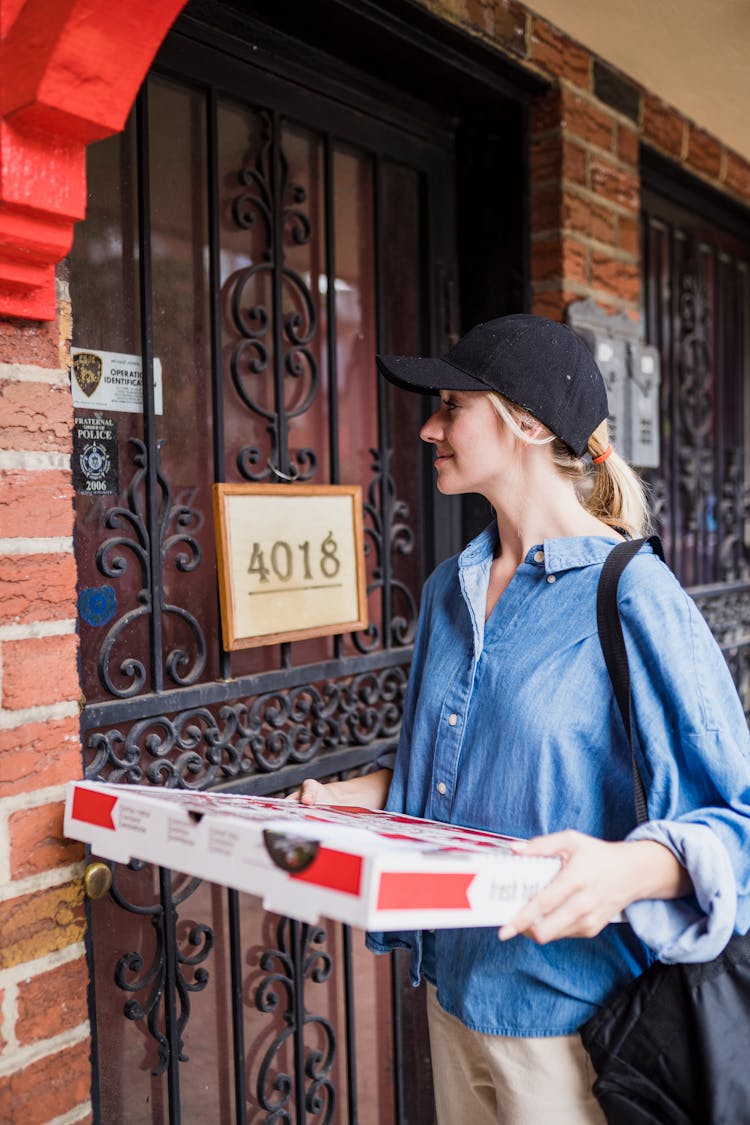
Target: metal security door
696	303
253	237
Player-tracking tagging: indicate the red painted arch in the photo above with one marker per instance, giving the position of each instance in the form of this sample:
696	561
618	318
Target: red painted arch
69	74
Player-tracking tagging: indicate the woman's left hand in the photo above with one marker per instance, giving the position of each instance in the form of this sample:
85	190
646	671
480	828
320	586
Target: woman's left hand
596	882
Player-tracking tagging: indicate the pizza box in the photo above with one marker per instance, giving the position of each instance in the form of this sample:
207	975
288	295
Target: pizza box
370	869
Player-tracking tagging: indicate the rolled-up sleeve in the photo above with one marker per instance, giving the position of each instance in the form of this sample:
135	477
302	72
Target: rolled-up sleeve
693	752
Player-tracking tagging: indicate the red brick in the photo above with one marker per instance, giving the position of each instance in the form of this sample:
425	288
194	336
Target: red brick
36	588
35	416
586	122
39	671
558	258
546	209
36	343
559	55
629	235
589	218
546	112
557	158
662	125
620	278
704	152
627	145
52	1002
38	923
504	20
614	184
48	493
38	755
38	843
737	174
553	303
48	1088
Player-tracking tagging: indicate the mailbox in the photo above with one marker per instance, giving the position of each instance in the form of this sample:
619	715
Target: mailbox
631	372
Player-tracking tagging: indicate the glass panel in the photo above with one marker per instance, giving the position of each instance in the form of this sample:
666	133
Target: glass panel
181	340
105	294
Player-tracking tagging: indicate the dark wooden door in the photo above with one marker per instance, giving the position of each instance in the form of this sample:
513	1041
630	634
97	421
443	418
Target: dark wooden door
696	263
255	235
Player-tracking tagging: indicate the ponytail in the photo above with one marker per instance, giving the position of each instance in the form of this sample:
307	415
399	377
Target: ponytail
607	487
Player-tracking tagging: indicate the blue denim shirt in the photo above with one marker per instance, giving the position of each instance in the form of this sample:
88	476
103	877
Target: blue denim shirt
511	726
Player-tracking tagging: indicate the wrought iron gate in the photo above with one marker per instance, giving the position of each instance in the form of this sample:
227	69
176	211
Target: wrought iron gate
254	240
696	305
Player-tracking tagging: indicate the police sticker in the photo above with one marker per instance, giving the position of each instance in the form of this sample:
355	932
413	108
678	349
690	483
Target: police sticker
97	604
87	371
95	461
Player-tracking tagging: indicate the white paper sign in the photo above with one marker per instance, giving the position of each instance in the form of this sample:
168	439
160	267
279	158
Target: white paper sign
111	381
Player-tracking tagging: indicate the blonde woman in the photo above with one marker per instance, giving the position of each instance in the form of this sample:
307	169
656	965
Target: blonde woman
510	725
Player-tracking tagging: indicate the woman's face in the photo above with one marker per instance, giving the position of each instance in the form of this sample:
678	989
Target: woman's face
472	447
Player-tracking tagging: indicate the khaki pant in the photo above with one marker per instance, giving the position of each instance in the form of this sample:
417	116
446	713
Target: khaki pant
499	1080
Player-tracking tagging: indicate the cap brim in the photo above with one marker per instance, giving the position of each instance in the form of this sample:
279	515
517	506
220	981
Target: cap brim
426	376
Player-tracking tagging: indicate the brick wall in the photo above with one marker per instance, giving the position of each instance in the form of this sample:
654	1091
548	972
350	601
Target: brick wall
584	149
44	1031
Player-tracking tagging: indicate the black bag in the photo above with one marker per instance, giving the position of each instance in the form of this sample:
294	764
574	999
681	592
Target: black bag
673	1046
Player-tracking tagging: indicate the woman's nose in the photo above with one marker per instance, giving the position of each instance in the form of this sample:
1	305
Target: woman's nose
431	429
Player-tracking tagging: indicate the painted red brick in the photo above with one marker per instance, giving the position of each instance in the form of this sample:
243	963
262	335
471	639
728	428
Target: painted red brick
38	755
559	55
663	126
48	1088
38	843
704	152
36	588
39	670
36	924
35	416
614	184
52	1002
48	493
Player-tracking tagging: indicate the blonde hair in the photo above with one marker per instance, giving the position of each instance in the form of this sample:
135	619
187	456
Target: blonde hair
611	490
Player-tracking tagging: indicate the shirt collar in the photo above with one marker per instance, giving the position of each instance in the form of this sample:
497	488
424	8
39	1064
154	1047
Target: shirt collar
559	554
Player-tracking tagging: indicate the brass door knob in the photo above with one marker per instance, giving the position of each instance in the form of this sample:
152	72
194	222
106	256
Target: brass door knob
97	879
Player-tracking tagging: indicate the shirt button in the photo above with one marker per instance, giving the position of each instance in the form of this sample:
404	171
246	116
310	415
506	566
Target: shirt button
551	578
453	719
539	556
442	788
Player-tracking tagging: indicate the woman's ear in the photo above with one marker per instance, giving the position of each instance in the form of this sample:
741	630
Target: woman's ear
533	428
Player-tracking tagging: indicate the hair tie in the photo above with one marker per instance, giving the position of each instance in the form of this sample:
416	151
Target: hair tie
603	456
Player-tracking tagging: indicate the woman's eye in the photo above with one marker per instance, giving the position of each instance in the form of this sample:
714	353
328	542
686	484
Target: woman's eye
449	405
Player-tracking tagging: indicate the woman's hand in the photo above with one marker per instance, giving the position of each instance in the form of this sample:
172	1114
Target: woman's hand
596	882
369	791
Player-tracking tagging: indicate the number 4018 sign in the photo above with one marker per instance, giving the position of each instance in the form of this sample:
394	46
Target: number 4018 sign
290	561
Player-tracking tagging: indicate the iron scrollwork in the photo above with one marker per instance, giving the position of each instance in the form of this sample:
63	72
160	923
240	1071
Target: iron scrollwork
277	203
182	668
299	957
387	531
133	976
196	748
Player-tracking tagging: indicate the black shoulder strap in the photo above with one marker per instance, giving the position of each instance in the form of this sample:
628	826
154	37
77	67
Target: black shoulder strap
613	643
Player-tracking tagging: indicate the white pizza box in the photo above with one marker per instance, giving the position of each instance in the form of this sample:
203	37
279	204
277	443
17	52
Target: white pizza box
370	869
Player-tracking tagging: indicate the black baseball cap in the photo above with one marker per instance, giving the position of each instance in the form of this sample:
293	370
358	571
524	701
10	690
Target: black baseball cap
540	365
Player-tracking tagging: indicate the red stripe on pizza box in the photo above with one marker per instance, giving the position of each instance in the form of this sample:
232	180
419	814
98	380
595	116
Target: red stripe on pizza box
338	871
424	890
94	808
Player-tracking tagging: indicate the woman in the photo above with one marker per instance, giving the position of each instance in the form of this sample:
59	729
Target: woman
510	725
